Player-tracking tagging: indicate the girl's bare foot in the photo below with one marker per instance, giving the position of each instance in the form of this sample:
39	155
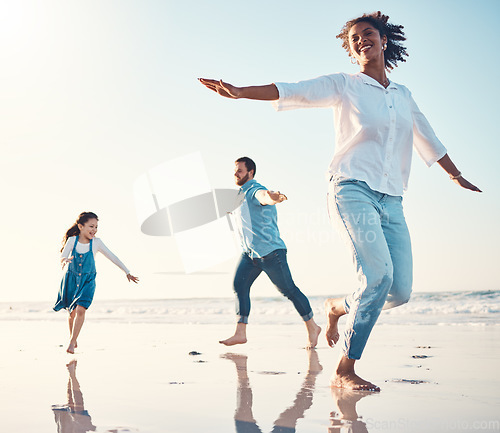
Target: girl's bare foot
239	359
71	348
334	308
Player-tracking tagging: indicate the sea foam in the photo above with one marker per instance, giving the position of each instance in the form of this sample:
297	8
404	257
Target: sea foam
480	308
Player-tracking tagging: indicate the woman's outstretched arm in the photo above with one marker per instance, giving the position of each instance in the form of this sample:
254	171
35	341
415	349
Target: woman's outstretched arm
268	92
447	164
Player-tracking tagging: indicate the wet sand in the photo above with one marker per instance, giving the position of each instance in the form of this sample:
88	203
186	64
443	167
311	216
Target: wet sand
142	378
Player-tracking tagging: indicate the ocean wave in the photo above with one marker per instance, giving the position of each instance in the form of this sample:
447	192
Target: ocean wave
473	307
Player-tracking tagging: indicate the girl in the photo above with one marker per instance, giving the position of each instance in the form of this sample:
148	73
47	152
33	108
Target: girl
377	123
78	284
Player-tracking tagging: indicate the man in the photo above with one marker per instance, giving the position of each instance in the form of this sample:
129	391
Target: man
263	250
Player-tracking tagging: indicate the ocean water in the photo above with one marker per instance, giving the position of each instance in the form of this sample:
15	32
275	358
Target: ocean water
475	308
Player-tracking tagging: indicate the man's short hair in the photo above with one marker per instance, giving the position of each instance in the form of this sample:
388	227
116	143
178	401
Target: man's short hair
249	164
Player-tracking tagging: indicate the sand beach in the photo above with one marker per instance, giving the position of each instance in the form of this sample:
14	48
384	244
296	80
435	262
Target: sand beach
176	378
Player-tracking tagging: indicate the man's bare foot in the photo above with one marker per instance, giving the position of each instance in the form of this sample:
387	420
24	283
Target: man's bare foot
71	348
334	308
314	365
313	331
239	337
235	339
350	380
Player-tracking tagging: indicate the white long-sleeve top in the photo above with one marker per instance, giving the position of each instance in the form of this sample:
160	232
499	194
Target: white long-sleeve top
97	247
375	127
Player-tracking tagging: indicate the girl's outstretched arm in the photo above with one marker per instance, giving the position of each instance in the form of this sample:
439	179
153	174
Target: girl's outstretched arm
267	92
447	164
100	247
109	255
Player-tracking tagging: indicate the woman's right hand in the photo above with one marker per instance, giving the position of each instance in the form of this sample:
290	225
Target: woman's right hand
224	89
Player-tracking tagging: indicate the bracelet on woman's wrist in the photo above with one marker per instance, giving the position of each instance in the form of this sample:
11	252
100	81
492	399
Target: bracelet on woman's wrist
456	176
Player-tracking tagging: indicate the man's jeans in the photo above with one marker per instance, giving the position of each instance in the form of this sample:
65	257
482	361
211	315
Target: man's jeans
374	227
276	268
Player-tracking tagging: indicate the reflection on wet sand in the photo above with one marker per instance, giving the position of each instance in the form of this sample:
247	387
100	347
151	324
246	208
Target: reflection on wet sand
346	419
72	417
287	420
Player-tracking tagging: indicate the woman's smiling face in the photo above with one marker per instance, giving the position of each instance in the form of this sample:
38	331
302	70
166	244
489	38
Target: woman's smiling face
365	42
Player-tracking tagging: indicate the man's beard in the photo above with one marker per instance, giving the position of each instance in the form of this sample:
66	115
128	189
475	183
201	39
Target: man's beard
241	182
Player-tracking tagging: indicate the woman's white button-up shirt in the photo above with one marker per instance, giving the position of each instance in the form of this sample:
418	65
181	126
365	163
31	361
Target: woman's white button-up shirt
376	128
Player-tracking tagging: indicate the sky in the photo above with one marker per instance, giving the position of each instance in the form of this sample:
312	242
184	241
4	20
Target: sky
95	94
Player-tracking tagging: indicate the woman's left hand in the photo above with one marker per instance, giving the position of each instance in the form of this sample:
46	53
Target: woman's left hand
130	277
464	183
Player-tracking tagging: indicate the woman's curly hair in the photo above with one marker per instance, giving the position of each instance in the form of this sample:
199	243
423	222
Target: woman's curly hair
395	35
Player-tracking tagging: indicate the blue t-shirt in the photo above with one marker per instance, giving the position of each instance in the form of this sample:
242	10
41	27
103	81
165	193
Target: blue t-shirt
257	225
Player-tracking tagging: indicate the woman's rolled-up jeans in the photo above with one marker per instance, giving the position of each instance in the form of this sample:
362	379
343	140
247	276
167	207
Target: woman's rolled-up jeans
375	229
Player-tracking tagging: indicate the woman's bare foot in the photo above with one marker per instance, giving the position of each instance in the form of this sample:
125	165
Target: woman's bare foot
353	382
239	337
334	308
346	378
71	348
313	331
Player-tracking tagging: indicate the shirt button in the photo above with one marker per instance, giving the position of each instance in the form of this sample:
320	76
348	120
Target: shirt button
386	92
385	174
79	274
78	285
80	255
390	106
80	264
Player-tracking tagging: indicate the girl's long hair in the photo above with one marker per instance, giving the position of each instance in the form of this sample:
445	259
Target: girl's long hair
74	230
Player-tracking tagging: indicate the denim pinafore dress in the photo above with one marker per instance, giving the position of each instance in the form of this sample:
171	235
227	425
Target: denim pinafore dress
78	283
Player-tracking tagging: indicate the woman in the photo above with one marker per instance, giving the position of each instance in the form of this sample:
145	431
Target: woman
377	123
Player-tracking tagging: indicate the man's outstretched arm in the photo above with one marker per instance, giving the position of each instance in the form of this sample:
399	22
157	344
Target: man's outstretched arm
266	197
